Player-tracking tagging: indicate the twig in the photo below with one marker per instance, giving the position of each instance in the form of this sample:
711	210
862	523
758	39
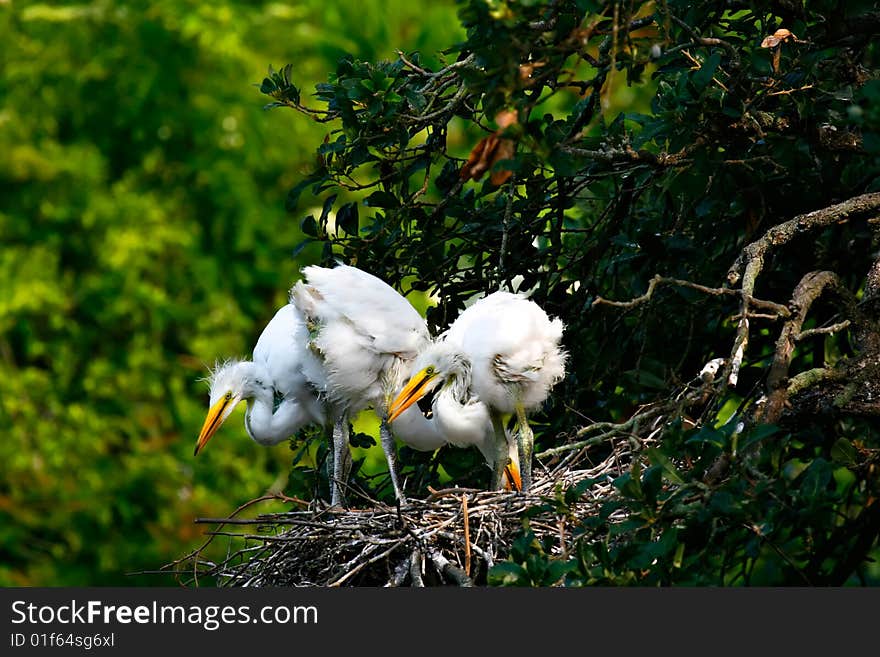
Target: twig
785	92
450	570
607	430
194	555
415	568
400	573
658	281
446	492
417	69
467	536
355	570
383	545
827	330
710	41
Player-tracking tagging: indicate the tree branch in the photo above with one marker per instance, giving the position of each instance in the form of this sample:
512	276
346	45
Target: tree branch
805	294
660	281
750	262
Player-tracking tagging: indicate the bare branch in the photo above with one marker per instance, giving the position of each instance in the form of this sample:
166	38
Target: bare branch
750	262
450	570
827	330
809	378
467	535
706	41
416	564
658	281
805	294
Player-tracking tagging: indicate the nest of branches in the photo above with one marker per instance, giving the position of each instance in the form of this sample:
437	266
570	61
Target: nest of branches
452	537
455	536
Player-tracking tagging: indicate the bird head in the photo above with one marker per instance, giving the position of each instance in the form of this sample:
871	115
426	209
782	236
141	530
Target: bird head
437	367
420	387
229	383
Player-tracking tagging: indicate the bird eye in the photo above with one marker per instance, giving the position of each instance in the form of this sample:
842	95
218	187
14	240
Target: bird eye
228	396
429	370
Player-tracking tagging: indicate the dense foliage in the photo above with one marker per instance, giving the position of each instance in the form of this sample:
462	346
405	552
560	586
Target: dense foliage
571	149
142	236
518	162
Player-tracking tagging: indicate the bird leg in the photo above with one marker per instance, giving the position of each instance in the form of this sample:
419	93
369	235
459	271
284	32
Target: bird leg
346	466
526	446
341	460
502	453
391	455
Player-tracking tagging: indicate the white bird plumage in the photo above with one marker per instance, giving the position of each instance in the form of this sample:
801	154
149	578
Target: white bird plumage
503	350
348	341
459	417
343	343
278	384
367	335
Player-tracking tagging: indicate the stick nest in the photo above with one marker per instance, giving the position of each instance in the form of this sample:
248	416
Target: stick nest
453	536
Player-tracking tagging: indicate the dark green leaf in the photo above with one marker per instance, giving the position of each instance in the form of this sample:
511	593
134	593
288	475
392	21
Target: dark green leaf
309	226
506	573
704	76
347	218
381	199
362	440
757	434
843	452
325	210
293	195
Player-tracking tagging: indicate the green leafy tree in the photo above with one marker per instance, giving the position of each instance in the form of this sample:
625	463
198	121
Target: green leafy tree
693	188
142	236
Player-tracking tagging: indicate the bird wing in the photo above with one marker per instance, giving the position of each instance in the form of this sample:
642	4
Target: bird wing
514	349
283	349
381	318
363	328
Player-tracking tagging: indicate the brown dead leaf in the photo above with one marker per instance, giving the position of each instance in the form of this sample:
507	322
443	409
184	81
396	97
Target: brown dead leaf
774	41
505	151
779	36
526	71
490	150
478	160
505	119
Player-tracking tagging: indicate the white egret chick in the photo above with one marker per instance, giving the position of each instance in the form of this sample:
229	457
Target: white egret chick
505	351
278	384
285	387
366	335
452	415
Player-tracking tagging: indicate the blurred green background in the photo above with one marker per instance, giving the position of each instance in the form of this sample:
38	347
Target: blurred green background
142	236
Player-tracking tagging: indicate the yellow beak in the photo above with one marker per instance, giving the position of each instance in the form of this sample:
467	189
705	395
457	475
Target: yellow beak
413	391
217	414
512	479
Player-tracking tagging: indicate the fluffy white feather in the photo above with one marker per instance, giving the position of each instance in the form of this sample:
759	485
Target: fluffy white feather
366	335
279	395
502	355
365	331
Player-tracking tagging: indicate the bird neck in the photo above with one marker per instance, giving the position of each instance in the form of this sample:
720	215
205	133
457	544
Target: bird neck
418	432
271	418
464	422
